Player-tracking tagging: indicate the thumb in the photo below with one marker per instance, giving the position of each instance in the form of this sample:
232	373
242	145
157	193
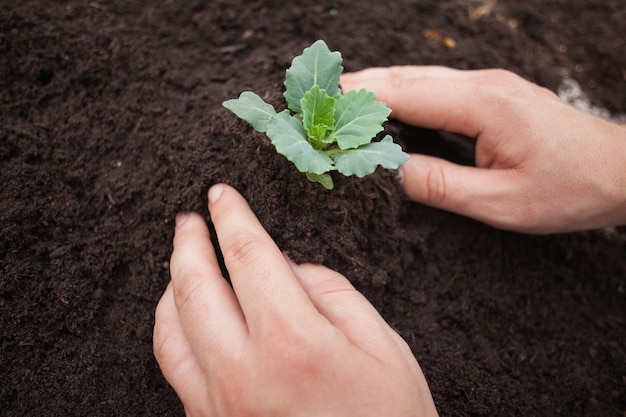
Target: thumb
480	193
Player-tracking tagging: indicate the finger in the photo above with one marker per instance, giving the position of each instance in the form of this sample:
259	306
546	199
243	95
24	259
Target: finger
443	98
346	309
478	193
434	98
348	80
352	314
266	287
174	354
209	312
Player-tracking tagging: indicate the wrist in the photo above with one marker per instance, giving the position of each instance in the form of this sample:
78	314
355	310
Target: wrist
614	182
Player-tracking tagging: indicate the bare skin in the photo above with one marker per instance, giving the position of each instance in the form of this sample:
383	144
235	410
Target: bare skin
287	340
542	166
299	340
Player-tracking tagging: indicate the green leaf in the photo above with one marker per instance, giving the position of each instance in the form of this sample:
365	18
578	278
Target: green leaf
363	161
318	116
324	179
358	118
251	108
322	116
316	66
289	139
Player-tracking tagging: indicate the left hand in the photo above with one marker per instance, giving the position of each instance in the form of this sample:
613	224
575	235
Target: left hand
285	340
542	166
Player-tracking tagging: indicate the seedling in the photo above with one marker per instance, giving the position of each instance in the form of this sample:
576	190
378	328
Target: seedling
323	130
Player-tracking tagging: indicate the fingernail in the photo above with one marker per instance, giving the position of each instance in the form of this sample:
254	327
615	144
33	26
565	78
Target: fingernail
215	192
400	175
289	260
181	218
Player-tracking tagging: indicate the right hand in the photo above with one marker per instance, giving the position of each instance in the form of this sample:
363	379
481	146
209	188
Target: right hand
284	340
542	165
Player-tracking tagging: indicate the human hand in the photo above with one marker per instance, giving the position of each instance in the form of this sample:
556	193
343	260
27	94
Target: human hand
285	340
541	165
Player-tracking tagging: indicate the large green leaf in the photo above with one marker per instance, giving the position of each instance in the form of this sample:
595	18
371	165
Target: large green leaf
251	108
358	118
289	139
318	116
316	66
363	161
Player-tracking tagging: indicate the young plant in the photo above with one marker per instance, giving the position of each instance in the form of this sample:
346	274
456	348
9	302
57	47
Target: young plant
323	130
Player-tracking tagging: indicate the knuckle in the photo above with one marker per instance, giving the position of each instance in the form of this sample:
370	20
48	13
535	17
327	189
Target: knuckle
332	283
291	346
501	78
243	247
296	353
159	341
436	185
505	88
336	289
508	96
160	345
520	213
187	285
236	396
398	83
162	324
396	72
500	84
282	357
397	78
164	346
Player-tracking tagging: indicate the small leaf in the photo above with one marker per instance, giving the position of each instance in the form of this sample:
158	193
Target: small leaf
318	115
316	66
251	108
289	138
324	179
358	118
363	161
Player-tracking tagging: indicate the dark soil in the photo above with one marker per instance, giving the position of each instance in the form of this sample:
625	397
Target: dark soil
111	122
